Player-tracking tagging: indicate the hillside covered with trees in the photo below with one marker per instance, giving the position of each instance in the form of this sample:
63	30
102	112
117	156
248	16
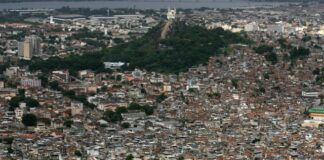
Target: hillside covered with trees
184	47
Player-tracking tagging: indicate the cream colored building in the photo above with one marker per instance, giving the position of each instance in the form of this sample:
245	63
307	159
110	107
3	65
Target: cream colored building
27	51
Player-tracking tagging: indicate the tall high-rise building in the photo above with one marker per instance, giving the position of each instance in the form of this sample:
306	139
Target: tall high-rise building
30	47
35	44
20	49
28	51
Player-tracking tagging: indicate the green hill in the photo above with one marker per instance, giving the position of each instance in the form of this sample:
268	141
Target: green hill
184	46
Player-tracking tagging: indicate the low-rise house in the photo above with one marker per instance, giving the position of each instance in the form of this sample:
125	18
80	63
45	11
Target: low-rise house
132	116
76	108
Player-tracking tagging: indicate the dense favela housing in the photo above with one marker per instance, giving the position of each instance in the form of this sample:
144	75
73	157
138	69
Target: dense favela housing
193	84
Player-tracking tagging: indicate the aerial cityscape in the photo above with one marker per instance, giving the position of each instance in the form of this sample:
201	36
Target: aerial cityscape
162	80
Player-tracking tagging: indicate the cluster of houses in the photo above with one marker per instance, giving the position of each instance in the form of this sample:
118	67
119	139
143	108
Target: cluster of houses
238	106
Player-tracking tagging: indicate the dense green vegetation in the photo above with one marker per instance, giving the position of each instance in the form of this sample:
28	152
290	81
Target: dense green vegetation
15	17
29	120
262	49
86	33
214	95
283	43
299	53
271	57
185	46
15	101
295	53
68	123
306	38
161	98
10	18
78	153
268	52
74	63
129	157
319	75
234	83
7	140
31	103
125	125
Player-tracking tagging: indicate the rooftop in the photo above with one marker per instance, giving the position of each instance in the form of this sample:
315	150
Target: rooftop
316	110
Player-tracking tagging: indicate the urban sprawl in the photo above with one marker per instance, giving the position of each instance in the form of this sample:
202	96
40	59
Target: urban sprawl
262	100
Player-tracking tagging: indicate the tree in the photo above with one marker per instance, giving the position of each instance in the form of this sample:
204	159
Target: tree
283	43
44	80
182	96
10	150
299	53
266	75
147	109
119	78
103	89
306	38
70	94
8	140
14	102
129	157
125	125
112	116
118	40
321	99
29	120
143	91
316	71
321	125
21	92
268	52
47	121
319	79
78	153
181	158
68	123
161	98
120	110
271	57
216	95
32	103
54	85
234	83
306	112
134	106
191	90
263	49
